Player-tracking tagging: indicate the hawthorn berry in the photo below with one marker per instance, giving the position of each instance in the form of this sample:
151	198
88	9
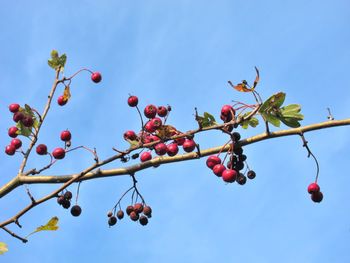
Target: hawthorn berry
28	121
180	141
251	174
227	110
75	210
146	156
189	145
129	209
313	188
160	148
317	197
150	111
41	149
17	143
149	127
229	175
138	207
156	122
62	100
66	204
120	214
112	221
218	169
68	195
147	211
59	153
133	101
110	213
143	220
12	132
10	149
18	116
66	136
212	161
241	179
236	136
172	149
130	135
96	77
60	200
162	111
134	216
14	107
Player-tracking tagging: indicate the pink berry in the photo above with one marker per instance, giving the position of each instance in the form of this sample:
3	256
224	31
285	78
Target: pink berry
96	77
218	169
172	149
189	145
17	143
14	107
66	136
212	161
59	153
160	148
61	100
313	188
10	149
150	111
145	156
12	132
41	149
133	101
229	175
162	111
130	135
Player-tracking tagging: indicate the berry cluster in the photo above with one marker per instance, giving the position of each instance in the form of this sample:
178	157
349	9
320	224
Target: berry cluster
155	130
137	212
65	201
314	190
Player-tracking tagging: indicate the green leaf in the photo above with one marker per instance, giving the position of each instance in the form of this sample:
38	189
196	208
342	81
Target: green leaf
57	61
133	143
3	248
272	119
290	122
253	122
50	226
54	54
207	120
292	111
275	101
22	130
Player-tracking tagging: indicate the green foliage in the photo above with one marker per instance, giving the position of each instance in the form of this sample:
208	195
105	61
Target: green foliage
23	130
206	120
253	122
57	62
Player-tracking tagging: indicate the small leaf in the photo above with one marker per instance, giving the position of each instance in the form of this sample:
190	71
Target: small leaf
3	248
241	87
166	131
253	122
272	119
66	93
275	101
54	54
207	120
22	130
290	122
50	226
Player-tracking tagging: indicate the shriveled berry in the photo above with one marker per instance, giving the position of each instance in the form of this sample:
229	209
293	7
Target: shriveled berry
229	175
218	169
10	149
212	161
59	153
112	221
313	188
160	148
146	156
12	132
18	116
68	195
134	216
17	143
120	214
41	149
317	197
150	111
75	210
143	220
138	207
66	136
129	209
61	100
133	101
189	145
14	107
28	121
162	111
172	149
96	77
251	174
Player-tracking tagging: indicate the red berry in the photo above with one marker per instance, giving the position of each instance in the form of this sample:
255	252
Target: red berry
28	121
149	127
12	132
154	138
180	141
218	169
160	148
59	153
61	100
41	149
138	207
14	107
212	161
133	101
130	135
66	136
162	111
18	116
129	209
317	197
189	145
156	122
17	143
96	77
313	188
172	149
229	175
150	111
227	110
10	149
134	216
143	220
112	221
147	210
146	156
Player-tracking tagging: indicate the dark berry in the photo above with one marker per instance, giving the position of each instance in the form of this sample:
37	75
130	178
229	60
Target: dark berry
68	195
239	165
75	210
236	136
143	220
134	216
241	179
66	136
112	221
317	197
251	174
12	132
41	149
147	211
28	121
96	77
18	116
133	101
129	209
14	107
60	200
120	214
110	213
59	153
238	150
66	204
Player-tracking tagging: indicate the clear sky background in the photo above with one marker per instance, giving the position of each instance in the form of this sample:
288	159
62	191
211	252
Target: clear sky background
183	53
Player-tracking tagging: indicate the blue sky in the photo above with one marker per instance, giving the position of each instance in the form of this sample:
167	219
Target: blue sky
182	53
